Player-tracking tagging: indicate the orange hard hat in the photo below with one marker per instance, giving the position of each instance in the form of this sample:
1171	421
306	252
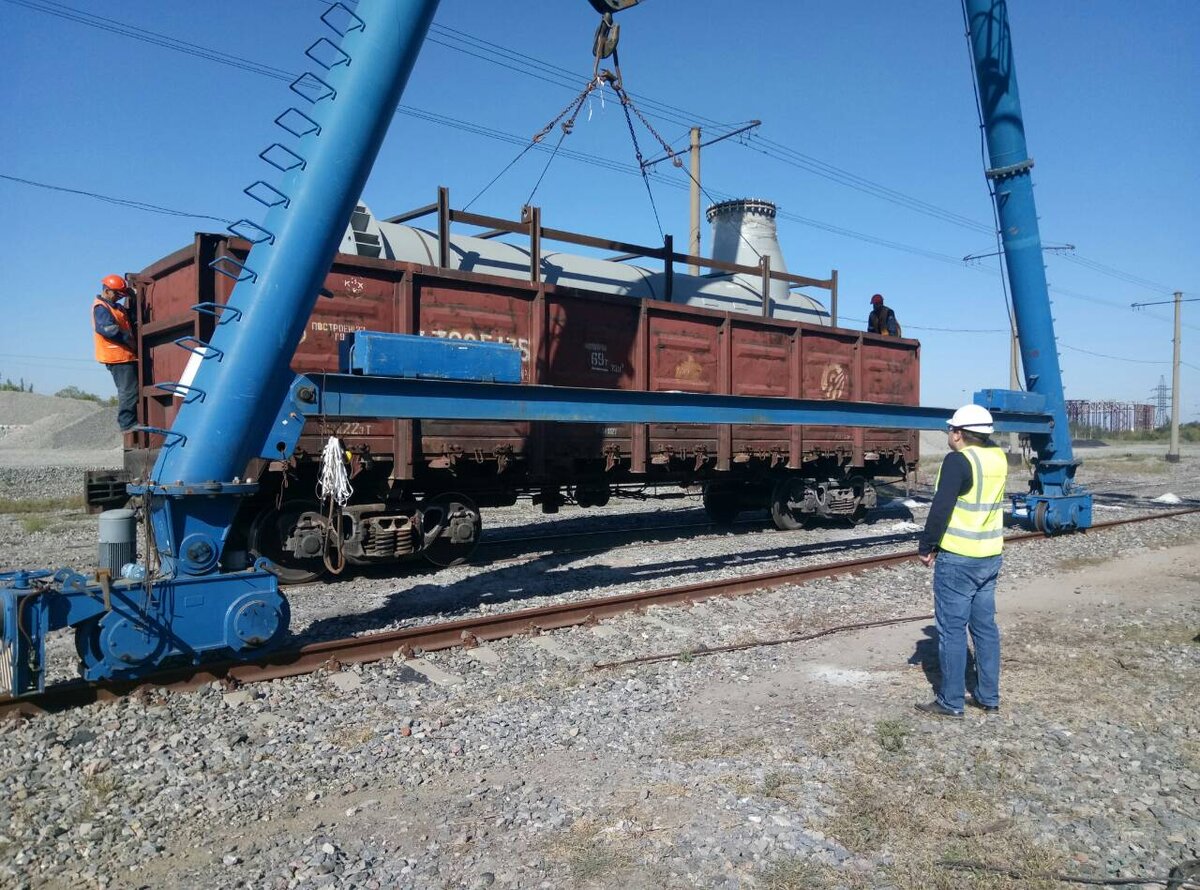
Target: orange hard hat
115	282
877	300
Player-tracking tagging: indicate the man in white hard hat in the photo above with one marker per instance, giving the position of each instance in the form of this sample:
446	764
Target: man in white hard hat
963	539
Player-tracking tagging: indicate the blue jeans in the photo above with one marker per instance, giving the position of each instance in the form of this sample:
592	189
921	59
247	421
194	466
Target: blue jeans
125	376
964	595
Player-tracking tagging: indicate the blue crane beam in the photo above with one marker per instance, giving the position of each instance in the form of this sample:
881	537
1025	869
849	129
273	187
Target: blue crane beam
1012	189
352	395
336	140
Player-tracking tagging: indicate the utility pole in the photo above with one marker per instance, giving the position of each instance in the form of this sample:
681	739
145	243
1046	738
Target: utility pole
694	173
1173	450
694	160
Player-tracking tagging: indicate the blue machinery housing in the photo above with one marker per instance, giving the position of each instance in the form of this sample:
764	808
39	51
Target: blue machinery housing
241	401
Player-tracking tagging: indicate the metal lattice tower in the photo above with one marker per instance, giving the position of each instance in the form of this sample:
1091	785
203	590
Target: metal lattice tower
1162	402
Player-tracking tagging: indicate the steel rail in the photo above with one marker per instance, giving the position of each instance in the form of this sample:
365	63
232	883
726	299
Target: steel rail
466	632
517	548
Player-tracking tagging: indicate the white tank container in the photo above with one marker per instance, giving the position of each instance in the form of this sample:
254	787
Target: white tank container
743	231
368	236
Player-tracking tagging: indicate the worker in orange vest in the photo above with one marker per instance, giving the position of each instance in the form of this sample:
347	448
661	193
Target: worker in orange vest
112	323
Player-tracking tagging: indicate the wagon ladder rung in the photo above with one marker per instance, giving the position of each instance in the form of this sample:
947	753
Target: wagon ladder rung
196	346
187	393
233	269
222	312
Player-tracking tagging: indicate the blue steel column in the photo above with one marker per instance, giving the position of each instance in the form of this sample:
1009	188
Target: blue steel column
244	388
991	45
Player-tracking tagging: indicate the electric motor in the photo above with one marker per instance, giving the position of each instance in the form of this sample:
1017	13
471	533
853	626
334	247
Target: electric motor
118	540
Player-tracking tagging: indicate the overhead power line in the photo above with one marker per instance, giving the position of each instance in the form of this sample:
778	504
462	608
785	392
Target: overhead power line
1116	358
521	63
249	65
793	158
49	358
124	202
135	32
1127	277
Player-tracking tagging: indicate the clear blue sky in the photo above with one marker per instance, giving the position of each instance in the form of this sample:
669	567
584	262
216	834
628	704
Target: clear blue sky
879	90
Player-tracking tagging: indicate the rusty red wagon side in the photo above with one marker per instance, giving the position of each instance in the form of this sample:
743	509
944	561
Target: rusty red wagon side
567	336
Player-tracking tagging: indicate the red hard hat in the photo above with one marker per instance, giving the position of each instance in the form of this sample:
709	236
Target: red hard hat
115	282
877	300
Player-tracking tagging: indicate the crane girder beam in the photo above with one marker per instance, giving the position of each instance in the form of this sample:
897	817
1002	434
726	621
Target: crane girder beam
606	7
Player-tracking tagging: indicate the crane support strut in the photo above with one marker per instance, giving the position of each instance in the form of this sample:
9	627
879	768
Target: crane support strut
1056	502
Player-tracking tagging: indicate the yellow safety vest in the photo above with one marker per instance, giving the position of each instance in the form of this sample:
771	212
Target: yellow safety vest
977	524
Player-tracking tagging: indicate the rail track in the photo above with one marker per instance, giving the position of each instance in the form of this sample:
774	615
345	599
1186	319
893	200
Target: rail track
512	549
466	632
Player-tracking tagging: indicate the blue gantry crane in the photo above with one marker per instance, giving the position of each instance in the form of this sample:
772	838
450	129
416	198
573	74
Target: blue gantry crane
240	400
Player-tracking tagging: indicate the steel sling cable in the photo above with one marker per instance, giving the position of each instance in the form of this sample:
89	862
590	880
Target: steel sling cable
567	128
641	163
573	107
626	105
546	168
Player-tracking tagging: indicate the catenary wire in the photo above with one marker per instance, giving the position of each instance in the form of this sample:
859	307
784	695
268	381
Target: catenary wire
60	358
513	59
245	64
1118	358
789	155
1112	272
123	202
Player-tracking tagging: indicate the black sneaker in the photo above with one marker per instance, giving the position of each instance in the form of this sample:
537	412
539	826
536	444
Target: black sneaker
987	709
936	709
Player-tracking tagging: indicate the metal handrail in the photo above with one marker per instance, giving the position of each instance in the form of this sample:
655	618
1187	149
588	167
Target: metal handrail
498	226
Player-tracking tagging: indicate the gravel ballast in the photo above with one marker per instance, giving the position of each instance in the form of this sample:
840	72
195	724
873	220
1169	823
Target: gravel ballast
517	764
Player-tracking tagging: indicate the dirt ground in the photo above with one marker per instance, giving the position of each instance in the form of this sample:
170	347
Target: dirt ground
1077	650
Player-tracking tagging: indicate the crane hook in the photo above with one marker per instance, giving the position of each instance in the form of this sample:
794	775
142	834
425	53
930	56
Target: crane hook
607	34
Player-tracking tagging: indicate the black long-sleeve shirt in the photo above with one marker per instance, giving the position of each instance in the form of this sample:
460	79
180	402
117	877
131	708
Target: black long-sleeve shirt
953	482
883	321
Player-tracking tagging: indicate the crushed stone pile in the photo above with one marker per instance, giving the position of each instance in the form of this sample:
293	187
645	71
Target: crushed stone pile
33	422
24	408
96	430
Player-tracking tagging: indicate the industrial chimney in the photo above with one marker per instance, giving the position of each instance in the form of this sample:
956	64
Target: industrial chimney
744	230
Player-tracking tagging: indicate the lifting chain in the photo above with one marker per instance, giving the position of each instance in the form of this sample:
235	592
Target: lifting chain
628	102
604	45
573	107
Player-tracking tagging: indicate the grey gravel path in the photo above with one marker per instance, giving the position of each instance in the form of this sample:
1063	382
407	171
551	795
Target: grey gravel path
517	765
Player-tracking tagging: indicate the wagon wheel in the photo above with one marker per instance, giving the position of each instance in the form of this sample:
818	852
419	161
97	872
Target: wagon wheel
450	529
859	484
271	528
722	503
785	518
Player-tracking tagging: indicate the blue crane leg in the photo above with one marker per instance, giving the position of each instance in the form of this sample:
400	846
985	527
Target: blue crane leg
991	46
248	377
